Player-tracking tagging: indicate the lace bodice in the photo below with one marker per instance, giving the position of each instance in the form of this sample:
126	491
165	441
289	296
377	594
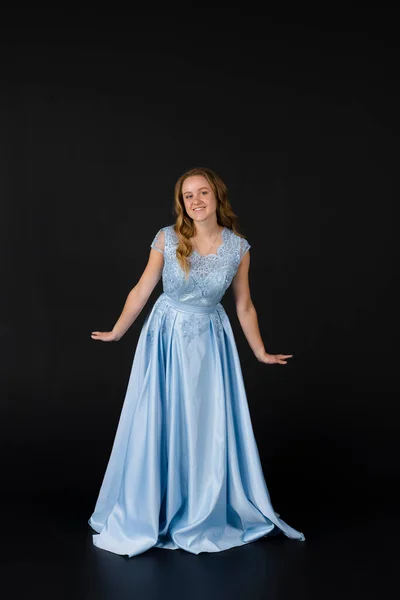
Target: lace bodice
210	275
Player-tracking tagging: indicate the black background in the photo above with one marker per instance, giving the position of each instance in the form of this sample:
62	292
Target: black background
98	118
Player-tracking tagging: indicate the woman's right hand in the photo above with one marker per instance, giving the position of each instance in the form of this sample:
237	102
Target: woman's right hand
105	336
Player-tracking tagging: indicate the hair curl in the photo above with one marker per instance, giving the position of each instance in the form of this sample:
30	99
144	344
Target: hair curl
184	226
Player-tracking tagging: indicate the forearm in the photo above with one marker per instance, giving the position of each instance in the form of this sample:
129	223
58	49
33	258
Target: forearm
249	323
133	306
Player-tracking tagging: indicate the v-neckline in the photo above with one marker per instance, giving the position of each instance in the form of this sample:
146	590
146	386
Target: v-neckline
218	249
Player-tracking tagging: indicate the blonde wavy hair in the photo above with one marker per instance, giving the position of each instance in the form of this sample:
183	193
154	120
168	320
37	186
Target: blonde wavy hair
184	226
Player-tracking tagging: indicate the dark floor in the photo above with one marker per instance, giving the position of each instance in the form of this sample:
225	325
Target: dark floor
48	557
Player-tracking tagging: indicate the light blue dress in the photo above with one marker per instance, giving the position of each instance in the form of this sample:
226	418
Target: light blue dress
184	470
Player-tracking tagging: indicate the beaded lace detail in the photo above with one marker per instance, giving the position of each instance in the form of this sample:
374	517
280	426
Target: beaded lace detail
194	326
210	275
191	326
158	242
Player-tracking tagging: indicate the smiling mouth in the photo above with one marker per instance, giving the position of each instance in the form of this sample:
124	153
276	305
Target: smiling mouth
200	208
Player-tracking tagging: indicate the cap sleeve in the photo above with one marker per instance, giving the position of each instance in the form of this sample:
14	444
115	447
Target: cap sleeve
244	246
159	241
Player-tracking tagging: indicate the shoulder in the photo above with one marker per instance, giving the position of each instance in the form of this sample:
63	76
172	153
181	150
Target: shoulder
165	231
238	244
166	236
238	239
167	228
169	232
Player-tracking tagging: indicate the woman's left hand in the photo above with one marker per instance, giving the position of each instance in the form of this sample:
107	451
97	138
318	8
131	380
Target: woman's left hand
273	359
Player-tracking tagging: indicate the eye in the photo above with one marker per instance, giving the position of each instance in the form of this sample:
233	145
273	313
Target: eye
204	192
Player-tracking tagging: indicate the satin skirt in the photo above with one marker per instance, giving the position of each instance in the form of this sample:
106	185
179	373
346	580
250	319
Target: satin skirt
184	470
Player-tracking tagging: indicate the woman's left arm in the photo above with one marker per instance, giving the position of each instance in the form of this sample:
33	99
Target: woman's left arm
247	315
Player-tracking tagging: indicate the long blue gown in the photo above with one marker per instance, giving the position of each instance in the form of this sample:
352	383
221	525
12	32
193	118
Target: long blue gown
184	470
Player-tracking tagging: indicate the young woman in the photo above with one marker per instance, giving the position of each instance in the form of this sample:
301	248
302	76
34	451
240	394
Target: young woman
184	470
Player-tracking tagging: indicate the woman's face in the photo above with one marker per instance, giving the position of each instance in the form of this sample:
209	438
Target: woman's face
199	198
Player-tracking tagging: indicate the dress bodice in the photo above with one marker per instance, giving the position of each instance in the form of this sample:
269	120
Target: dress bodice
210	275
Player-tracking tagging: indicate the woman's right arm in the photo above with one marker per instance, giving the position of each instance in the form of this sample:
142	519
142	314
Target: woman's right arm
136	298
